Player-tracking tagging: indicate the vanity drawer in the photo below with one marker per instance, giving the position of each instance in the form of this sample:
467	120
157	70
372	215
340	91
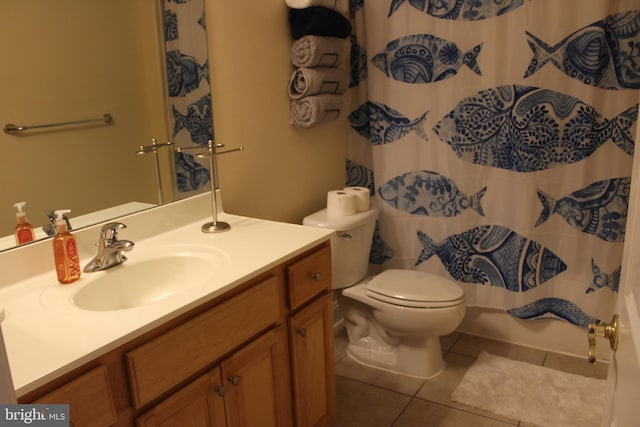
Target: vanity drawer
89	398
309	277
164	362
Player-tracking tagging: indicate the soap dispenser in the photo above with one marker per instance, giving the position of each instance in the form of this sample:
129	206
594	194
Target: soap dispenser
65	251
24	231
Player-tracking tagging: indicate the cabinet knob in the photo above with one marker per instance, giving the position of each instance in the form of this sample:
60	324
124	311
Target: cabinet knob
302	332
221	391
234	379
317	276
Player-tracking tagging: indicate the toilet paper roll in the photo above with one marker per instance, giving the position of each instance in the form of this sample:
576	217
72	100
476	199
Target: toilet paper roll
362	193
341	203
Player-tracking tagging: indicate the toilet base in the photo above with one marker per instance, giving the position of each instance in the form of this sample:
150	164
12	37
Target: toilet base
418	357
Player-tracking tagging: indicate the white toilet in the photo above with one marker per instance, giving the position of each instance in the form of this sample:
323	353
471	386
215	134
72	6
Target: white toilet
394	320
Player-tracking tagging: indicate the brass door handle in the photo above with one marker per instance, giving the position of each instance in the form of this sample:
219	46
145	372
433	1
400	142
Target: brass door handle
606	330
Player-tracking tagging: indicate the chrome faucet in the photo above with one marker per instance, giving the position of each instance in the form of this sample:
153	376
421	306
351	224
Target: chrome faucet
110	249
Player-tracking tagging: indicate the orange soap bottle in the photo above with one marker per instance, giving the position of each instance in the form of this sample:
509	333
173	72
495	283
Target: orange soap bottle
23	231
65	251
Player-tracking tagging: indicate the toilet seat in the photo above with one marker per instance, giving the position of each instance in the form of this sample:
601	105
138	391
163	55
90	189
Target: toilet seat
410	288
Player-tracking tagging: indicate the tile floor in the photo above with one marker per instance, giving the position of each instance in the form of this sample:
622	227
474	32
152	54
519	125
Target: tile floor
372	398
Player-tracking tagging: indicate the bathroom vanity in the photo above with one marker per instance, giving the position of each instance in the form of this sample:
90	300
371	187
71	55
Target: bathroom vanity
253	346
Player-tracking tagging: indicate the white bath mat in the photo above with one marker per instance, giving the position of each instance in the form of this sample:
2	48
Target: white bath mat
530	393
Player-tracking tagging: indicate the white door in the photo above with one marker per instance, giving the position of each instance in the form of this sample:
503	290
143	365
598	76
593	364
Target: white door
624	370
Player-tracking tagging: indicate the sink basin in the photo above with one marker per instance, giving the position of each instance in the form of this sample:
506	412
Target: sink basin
148	277
140	283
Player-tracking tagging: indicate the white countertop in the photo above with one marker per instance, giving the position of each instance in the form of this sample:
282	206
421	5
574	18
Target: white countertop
46	337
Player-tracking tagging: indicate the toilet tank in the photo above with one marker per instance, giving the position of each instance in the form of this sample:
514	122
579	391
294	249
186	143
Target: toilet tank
350	245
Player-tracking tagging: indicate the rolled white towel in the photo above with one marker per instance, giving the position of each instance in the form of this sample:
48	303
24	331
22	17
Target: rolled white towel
311	81
319	51
341	6
313	110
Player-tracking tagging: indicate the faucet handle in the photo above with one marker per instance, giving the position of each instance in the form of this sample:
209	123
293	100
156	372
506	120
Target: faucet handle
109	231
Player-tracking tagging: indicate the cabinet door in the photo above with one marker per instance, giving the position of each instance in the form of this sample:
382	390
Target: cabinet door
258	383
89	398
199	404
314	387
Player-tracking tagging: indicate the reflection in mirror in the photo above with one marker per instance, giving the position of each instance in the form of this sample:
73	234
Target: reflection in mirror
74	60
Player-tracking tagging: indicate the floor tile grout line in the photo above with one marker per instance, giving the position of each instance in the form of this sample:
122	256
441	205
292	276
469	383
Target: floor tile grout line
401	412
452	404
470	410
378	386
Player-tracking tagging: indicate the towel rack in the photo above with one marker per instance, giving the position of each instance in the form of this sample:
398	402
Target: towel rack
214	226
12	129
153	148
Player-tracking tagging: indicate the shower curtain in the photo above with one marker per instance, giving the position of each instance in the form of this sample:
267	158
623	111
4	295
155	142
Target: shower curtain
496	138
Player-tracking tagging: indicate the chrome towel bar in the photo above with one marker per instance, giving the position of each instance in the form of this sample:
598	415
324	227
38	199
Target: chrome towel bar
12	129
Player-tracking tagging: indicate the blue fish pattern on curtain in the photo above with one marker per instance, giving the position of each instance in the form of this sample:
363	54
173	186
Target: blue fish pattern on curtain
380	250
424	58
359	176
358	56
528	129
429	193
599	209
171	31
604	54
525	135
184	73
384	125
469	10
198	120
494	255
189	173
189	91
553	308
357	63
604	280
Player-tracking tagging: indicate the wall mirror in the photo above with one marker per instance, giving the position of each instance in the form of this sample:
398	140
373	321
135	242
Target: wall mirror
73	60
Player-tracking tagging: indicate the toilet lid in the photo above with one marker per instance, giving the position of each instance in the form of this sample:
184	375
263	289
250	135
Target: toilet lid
414	289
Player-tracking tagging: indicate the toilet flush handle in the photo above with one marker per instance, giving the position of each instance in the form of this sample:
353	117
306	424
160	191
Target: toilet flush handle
345	236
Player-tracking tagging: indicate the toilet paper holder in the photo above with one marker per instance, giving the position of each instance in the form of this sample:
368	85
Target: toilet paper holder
213	226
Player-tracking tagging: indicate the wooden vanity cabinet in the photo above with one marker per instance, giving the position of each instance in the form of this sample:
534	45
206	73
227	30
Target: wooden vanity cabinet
311	339
250	388
259	355
89	398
